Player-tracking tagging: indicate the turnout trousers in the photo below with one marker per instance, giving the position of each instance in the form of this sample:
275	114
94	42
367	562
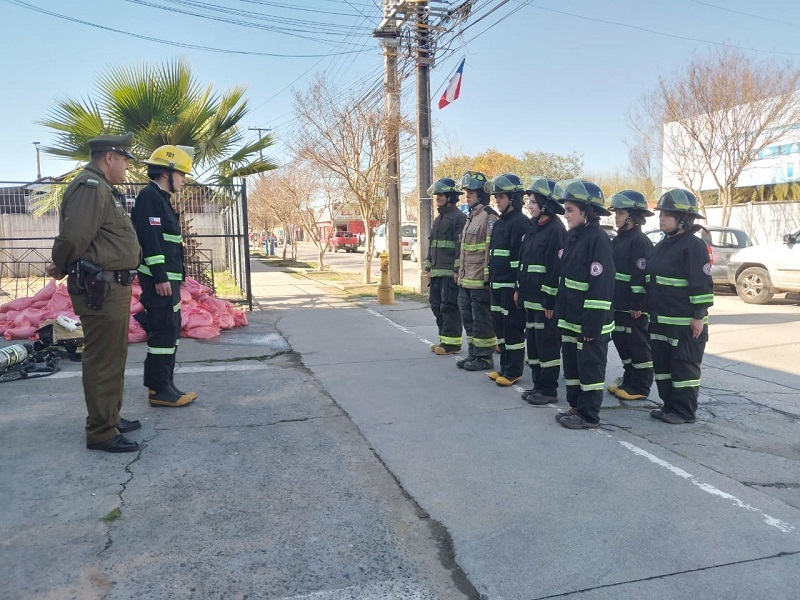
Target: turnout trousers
676	362
632	340
509	327
163	333
585	373
105	349
444	304
474	305
543	342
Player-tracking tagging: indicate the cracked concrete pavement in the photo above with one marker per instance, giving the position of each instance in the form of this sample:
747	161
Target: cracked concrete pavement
331	456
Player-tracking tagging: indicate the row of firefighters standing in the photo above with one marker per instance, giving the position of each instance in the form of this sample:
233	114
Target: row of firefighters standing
564	292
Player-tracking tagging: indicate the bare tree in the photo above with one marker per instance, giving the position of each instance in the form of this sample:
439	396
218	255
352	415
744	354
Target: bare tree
718	113
270	190
348	138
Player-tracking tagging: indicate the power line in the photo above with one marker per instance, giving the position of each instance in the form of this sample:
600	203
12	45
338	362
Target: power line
739	12
171	43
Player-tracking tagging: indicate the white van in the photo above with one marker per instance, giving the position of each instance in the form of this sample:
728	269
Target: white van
408	236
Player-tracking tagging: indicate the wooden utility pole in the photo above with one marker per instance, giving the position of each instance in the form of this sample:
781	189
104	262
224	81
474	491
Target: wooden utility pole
424	150
259	130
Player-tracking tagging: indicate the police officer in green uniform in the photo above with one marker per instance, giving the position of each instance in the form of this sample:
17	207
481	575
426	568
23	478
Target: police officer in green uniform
97	246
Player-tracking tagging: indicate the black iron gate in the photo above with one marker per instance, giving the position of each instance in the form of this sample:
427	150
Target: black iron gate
213	220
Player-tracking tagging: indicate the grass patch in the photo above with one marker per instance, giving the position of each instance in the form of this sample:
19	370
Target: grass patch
225	285
113	515
340	276
400	291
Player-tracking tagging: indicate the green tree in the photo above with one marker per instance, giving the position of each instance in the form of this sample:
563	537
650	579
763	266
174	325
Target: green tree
161	104
493	162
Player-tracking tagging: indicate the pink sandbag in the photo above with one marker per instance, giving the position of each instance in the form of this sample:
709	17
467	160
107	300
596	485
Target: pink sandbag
194	288
214	306
239	318
46	292
135	332
198	318
224	321
200	333
18	304
20	333
136	306
60	301
185	295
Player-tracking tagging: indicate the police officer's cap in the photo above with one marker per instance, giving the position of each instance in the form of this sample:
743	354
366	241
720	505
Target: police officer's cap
121	144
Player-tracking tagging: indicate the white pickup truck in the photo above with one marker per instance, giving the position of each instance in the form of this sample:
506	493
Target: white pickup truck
761	271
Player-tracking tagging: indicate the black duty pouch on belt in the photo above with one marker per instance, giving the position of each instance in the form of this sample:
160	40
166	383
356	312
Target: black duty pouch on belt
95	284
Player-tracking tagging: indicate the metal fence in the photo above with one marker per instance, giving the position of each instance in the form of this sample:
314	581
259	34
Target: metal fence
213	220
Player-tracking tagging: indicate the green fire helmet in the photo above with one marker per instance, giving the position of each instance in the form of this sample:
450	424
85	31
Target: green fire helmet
472	180
582	192
678	200
545	187
630	200
507	183
444	186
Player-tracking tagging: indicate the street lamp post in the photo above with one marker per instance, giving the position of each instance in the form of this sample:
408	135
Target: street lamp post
38	164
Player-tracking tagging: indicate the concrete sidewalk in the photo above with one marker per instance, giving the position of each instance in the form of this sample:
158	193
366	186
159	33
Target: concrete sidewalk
331	455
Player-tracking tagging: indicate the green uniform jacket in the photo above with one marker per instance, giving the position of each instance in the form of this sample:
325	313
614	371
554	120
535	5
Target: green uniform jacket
94	225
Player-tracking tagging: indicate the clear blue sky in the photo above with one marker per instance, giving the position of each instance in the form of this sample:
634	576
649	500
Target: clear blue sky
541	79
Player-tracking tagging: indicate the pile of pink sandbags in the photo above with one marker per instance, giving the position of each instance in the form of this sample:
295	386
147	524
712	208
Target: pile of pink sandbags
202	315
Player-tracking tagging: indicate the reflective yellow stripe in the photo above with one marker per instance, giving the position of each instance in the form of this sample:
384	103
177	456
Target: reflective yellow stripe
686	383
443	244
174	276
570	326
501	252
470	283
701	299
644	365
514	264
537	269
622	277
156	259
638	289
663	376
450	341
607	328
145	270
568	339
576	285
441	272
153	350
672	281
550	363
496	285
533	305
550	291
515	346
175	239
663	338
572	382
677	320
592	387
480	247
597	304
484	342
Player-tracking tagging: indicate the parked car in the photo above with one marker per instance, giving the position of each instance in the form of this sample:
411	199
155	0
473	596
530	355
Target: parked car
761	271
343	239
408	235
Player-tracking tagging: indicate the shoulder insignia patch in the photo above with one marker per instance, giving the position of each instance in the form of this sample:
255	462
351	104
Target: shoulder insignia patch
595	269
707	268
490	225
641	264
155	221
93	182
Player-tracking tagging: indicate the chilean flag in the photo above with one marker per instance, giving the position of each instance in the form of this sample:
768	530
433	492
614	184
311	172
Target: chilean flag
453	87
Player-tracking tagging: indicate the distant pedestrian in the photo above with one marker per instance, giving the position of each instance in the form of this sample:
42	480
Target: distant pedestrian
585	292
632	250
504	250
96	247
537	283
162	270
474	301
441	264
679	293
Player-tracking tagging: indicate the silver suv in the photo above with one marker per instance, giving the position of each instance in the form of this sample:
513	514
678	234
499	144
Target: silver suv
761	271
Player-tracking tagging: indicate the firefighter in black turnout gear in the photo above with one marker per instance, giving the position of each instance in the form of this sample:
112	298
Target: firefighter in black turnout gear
632	249
537	283
442	265
161	272
585	292
679	293
504	252
473	275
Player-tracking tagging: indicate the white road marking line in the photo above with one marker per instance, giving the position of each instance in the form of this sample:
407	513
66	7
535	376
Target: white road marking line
199	369
708	488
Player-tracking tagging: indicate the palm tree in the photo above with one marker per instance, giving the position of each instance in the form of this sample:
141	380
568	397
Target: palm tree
160	104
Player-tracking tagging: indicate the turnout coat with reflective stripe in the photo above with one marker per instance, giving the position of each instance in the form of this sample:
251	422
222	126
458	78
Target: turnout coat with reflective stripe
632	249
504	248
473	263
444	242
159	233
679	286
538	264
586	283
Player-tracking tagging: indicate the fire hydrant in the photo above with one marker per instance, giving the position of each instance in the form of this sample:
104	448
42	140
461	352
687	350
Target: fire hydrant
385	289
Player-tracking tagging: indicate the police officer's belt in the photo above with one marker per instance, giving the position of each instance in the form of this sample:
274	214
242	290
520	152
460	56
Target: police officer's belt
124	277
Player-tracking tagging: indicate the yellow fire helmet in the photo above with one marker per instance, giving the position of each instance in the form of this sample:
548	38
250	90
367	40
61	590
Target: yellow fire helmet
175	158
